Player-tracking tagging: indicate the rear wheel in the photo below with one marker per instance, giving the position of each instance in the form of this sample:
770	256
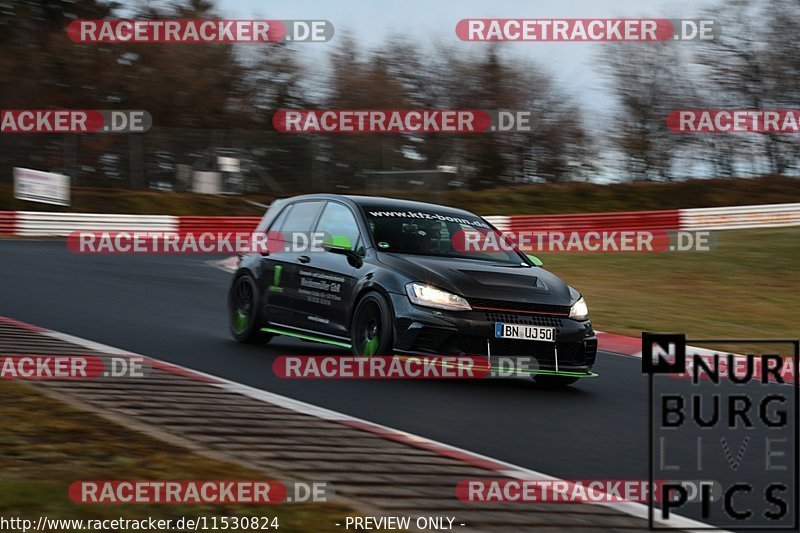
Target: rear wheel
554	382
244	308
372	329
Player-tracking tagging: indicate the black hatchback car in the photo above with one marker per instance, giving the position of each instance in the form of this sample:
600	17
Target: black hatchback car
386	278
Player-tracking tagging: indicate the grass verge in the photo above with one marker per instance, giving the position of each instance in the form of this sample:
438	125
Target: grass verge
745	287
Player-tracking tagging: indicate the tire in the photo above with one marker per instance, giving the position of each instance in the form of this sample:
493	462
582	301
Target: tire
372	327
554	382
244	306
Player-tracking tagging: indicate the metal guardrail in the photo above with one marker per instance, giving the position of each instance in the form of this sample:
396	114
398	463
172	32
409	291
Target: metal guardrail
502	223
641	220
7	222
188	224
33	223
741	217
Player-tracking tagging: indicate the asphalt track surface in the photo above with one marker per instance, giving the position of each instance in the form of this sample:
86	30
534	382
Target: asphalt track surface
173	308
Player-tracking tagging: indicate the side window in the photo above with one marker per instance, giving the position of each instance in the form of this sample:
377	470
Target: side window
338	221
276	224
277	207
301	217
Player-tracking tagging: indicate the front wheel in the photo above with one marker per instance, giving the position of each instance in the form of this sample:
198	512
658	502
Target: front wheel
372	329
554	382
244	308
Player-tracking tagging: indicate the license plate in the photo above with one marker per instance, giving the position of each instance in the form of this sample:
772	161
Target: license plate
527	333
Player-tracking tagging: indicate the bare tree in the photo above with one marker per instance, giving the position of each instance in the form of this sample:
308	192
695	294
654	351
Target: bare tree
646	79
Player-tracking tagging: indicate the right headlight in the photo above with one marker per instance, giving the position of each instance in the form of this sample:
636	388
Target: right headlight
422	294
579	310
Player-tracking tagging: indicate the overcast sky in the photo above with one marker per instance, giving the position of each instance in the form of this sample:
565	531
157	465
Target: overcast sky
429	21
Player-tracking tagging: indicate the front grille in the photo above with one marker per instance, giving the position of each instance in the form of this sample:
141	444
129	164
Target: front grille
543	351
531	320
522	307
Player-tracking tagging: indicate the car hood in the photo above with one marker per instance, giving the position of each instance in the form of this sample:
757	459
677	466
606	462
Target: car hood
482	279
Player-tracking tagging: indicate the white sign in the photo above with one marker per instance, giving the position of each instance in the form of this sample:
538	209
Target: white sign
206	182
38	186
228	164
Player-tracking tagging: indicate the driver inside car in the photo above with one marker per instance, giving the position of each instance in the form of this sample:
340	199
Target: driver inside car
423	239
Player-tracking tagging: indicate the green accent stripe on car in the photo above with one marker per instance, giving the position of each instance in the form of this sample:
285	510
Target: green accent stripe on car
493	368
534	372
306	337
276	279
565	373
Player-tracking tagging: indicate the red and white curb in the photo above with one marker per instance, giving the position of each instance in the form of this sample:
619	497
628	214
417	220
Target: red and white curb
500	468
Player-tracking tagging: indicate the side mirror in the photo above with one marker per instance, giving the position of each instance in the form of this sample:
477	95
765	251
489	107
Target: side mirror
341	245
535	260
337	244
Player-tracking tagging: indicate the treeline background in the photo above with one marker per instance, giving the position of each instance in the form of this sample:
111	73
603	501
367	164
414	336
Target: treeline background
211	100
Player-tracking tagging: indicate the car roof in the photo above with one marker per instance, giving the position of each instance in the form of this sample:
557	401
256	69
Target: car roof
384	203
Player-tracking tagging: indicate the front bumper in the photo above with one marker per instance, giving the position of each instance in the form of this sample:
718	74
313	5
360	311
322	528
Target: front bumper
427	331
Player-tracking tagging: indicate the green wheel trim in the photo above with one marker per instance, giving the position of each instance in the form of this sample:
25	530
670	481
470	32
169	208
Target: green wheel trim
371	346
240	321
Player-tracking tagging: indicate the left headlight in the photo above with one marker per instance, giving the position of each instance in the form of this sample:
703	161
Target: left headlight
422	294
579	310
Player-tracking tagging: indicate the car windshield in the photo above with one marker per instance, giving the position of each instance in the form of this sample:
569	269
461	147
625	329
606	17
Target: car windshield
427	232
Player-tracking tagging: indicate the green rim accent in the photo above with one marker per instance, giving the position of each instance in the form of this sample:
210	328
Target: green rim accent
240	321
371	346
306	337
